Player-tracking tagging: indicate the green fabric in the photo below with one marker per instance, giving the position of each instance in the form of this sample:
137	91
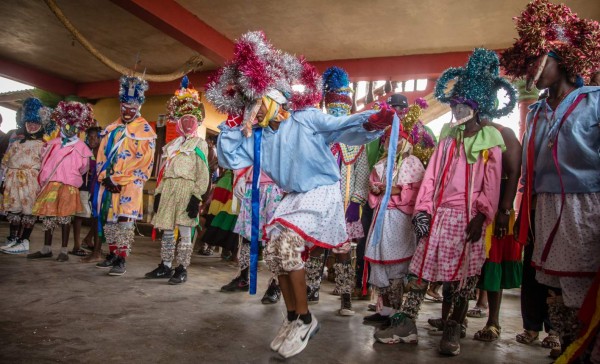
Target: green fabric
226	181
497	276
485	139
374	151
201	155
224	221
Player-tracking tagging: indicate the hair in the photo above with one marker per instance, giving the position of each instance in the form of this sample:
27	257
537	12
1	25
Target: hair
93	129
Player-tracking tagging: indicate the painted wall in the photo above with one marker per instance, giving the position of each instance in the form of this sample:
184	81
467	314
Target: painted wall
107	110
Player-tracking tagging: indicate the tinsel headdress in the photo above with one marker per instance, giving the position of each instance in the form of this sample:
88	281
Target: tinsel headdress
186	101
256	69
32	111
336	86
75	114
544	27
132	90
477	85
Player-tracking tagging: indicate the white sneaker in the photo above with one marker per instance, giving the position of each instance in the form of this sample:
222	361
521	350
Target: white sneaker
9	243
283	332
298	337
20	248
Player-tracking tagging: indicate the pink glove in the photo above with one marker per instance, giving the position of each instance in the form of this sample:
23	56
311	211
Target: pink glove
381	120
234	120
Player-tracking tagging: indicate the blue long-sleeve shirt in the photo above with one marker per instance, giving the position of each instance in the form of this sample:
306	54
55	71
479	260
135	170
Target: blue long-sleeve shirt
578	144
297	155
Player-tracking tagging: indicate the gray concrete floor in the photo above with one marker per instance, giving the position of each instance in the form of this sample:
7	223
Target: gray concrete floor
74	313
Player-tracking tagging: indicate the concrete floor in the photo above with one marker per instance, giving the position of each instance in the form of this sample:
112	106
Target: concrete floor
74	313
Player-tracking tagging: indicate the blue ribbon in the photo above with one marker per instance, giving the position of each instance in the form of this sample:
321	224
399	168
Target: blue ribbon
389	171
255	211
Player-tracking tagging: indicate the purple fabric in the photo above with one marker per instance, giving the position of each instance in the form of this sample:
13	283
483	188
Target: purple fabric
353	212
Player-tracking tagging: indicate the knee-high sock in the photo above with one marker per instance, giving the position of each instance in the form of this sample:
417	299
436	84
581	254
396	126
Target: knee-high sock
184	250
414	298
344	277
313	268
167	247
564	320
125	238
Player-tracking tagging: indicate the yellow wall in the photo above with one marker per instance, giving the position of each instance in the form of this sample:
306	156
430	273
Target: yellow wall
107	110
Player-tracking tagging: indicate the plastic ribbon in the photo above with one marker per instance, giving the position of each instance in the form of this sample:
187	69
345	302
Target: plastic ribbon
255	211
389	170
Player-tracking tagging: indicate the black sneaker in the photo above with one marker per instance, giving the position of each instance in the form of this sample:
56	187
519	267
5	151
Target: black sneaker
238	284
118	268
161	272
312	295
272	295
180	275
450	343
376	318
346	305
108	262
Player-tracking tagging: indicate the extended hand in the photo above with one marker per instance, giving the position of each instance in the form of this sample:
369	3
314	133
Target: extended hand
475	228
501	225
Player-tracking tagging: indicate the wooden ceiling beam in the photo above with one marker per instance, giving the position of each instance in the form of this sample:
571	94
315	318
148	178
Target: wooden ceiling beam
180	24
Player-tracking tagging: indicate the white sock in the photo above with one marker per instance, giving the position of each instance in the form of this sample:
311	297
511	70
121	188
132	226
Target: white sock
167	264
46	249
64	250
387	311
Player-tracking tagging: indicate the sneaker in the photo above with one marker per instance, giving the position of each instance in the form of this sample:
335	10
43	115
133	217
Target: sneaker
108	262
312	295
346	309
450	343
298	337
161	272
272	295
402	330
10	241
119	268
206	251
376	318
370	306
282	333
438	329
180	275
21	247
437	323
62	257
238	284
39	255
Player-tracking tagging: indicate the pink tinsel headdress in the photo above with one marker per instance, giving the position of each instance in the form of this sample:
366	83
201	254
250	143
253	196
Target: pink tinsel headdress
75	114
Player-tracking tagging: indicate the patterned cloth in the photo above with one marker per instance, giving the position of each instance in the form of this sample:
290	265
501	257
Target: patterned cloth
135	143
186	174
57	199
317	216
270	196
440	256
22	162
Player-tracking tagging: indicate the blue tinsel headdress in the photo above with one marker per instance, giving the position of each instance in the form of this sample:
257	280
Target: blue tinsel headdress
132	90
336	87
477	85
30	113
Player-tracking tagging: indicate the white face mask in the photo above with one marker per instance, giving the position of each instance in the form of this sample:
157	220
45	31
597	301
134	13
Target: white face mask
461	114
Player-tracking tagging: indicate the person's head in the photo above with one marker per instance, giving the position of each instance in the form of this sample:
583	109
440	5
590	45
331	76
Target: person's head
337	91
545	71
463	111
92	137
131	97
398	102
129	112
187	126
32	128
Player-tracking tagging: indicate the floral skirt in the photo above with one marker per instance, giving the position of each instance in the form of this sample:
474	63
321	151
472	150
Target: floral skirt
270	196
174	199
57	199
20	189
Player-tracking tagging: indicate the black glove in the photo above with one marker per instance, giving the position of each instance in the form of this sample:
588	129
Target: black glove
110	186
421	223
193	207
156	202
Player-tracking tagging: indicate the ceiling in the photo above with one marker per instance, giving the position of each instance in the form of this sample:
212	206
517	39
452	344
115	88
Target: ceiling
164	34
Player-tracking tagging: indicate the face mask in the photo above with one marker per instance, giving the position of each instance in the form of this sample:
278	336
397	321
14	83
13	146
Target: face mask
534	71
461	113
32	128
337	111
68	131
129	112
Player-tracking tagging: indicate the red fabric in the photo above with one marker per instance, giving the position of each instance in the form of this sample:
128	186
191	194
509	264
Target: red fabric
112	248
300	232
387	262
233	120
380	120
222	195
506	249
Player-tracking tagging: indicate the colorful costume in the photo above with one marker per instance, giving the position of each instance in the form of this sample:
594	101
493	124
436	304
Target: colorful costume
561	164
125	161
22	163
295	154
183	179
389	258
462	181
65	160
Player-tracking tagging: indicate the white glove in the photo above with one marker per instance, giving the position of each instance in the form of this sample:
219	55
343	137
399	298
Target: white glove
239	190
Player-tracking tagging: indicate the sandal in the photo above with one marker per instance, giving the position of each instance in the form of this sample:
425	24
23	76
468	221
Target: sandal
527	338
551	341
488	334
79	252
477	312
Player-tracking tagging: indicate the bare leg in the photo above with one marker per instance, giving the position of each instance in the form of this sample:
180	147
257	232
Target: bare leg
96	255
494	300
76	232
298	285
66	231
287	292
